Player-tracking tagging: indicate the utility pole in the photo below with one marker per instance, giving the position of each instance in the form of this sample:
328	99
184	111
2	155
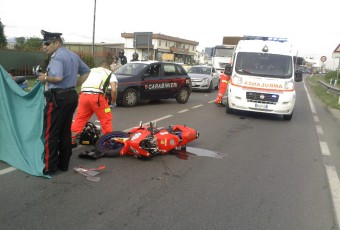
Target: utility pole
94	26
148	46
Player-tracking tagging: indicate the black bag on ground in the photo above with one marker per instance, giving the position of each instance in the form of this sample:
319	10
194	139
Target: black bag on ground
89	135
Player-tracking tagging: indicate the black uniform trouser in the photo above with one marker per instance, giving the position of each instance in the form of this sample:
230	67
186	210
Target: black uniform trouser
59	109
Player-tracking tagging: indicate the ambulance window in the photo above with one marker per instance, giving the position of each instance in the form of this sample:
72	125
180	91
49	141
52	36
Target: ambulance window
169	70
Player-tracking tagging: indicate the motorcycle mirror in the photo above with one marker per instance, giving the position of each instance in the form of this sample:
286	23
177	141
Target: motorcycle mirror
151	128
140	124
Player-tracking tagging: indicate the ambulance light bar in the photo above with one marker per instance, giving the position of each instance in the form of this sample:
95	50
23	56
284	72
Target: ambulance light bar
276	39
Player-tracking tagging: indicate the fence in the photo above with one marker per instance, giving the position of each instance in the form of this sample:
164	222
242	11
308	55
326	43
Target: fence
20	62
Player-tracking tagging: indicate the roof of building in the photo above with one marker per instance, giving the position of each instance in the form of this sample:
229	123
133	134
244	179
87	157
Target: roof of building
164	37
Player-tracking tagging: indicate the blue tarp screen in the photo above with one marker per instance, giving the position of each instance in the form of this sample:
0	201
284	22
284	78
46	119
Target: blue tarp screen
21	125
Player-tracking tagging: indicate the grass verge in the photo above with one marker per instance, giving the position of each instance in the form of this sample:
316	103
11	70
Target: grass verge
328	98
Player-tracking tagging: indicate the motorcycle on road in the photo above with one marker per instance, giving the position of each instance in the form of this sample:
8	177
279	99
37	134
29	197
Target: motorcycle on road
144	141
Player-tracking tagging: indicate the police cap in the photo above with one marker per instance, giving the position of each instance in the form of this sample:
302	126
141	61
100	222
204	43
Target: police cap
48	36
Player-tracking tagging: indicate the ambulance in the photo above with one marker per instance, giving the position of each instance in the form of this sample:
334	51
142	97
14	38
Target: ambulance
262	76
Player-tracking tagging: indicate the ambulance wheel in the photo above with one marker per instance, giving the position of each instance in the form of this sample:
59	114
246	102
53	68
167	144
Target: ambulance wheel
108	146
288	117
130	98
183	95
228	110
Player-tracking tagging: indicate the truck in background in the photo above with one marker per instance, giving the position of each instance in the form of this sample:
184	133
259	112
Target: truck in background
222	54
262	76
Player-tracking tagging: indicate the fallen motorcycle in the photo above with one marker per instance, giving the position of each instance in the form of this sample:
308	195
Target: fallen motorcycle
144	141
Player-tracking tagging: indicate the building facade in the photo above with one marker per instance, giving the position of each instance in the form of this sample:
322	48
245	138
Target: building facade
161	47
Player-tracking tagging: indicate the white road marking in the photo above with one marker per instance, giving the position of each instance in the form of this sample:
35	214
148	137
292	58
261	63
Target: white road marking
162	118
319	129
334	185
310	101
194	107
153	121
7	170
324	148
183	111
332	176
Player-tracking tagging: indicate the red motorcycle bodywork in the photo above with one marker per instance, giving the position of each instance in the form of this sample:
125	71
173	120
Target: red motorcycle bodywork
163	140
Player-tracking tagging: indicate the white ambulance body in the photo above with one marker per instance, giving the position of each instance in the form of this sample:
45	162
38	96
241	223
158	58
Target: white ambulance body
262	77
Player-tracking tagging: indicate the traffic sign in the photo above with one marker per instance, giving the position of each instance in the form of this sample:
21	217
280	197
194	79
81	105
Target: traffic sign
336	52
323	58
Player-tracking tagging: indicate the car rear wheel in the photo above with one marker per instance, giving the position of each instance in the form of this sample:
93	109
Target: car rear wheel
183	95
130	98
211	87
216	87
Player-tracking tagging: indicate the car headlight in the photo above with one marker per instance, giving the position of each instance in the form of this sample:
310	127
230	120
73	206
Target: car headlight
205	80
289	85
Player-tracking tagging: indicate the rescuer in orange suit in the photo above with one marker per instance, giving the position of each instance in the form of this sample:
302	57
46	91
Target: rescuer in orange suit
224	79
92	99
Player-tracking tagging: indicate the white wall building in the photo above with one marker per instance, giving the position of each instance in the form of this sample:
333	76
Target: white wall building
182	50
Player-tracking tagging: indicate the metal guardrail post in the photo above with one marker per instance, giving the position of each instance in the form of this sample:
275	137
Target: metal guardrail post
332	89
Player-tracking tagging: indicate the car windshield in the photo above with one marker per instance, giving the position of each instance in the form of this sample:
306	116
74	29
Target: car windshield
200	70
131	69
264	65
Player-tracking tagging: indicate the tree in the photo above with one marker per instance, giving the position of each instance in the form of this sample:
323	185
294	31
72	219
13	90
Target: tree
19	43
32	43
3	40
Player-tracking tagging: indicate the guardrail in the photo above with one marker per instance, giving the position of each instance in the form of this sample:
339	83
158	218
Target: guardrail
330	88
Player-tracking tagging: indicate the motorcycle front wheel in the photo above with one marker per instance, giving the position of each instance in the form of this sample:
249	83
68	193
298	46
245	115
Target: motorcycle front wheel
108	146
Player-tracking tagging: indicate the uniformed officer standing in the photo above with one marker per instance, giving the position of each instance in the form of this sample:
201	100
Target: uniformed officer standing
61	100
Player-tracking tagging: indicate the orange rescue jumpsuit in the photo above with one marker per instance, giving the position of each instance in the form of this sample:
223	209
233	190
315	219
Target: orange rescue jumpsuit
92	100
224	79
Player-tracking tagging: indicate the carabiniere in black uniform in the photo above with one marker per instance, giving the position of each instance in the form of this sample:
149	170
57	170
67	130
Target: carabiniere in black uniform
61	101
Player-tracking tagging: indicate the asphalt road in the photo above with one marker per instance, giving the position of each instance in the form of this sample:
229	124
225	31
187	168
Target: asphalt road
269	174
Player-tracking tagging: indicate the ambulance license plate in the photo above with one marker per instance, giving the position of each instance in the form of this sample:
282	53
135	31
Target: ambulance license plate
261	106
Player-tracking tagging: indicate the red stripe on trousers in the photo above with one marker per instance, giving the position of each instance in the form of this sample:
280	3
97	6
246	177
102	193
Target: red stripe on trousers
47	134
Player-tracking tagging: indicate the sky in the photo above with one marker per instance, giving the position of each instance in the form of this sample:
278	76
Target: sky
313	27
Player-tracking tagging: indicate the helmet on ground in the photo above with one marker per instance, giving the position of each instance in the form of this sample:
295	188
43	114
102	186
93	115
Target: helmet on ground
89	134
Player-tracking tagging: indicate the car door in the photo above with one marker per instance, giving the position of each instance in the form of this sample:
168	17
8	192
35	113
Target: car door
215	77
170	80
150	82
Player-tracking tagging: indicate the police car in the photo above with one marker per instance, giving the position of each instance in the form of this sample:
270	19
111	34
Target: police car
151	80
